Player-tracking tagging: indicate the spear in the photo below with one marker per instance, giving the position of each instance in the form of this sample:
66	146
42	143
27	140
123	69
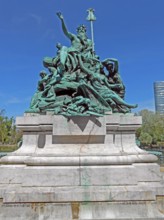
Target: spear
91	17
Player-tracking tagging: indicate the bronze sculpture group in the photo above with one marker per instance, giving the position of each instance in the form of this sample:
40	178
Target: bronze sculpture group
78	82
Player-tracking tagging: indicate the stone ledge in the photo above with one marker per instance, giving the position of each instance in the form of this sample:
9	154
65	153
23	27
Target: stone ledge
77	160
82	211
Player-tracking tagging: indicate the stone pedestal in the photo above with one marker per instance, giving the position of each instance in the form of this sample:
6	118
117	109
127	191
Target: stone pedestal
80	168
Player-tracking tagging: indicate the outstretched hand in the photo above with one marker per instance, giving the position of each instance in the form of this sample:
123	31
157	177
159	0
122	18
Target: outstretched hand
59	14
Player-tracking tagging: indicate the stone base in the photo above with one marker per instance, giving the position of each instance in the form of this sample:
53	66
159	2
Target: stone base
104	175
82	193
50	140
81	211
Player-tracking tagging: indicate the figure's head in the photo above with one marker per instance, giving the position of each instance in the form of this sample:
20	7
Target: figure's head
81	29
58	46
43	73
109	66
107	63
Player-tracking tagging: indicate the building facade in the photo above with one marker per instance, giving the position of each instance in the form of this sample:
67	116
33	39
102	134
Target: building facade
159	97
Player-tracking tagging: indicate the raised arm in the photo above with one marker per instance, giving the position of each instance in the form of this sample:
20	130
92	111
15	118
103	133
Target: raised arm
115	61
64	27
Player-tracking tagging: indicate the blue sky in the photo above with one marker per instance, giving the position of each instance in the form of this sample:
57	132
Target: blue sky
130	30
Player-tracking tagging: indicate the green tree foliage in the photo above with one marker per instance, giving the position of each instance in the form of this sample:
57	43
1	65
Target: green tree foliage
152	130
145	138
8	132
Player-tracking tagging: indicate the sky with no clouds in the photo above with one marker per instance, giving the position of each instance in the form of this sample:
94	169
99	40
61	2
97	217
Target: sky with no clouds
131	31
